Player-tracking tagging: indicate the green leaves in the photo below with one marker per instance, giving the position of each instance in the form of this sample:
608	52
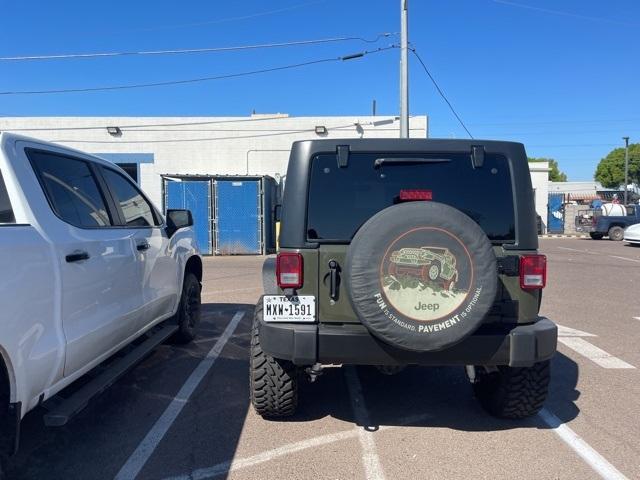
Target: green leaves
610	170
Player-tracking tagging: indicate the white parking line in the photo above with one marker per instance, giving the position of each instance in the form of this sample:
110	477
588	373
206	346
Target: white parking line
232	465
625	258
637	318
582	448
593	353
371	461
571	338
573	250
264	457
139	457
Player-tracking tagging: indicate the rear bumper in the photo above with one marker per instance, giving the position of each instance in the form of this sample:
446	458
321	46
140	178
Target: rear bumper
500	344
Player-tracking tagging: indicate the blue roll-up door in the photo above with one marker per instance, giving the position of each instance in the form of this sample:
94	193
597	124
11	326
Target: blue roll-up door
555	217
194	196
238	217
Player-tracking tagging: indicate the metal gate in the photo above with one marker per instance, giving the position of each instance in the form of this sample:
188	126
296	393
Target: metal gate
555	213
194	196
238	215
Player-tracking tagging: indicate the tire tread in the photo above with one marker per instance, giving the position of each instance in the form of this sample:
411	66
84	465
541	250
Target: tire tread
273	383
514	392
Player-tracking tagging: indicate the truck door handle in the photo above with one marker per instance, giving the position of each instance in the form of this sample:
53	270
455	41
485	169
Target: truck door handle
333	279
76	257
143	246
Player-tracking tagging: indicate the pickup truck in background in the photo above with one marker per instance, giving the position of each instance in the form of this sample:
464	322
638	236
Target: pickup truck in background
88	267
599	225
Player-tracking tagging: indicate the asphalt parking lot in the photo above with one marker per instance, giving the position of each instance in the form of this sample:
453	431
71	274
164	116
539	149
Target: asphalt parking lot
184	412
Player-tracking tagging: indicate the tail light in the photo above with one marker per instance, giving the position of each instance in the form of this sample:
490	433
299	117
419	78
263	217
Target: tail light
533	272
411	195
289	270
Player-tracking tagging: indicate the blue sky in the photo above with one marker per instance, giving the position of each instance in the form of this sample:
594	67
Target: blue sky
560	76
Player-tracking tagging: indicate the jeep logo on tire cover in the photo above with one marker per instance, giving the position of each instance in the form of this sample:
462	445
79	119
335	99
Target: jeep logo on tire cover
426	274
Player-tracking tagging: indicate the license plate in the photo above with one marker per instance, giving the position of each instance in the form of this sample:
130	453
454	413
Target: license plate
279	308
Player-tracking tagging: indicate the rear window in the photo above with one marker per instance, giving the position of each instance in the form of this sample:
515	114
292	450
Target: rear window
6	212
342	199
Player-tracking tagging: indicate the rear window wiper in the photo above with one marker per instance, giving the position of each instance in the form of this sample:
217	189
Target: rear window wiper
398	160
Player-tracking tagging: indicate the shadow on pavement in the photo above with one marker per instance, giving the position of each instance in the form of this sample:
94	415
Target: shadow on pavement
437	397
98	442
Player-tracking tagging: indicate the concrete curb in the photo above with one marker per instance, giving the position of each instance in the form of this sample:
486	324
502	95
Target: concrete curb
563	235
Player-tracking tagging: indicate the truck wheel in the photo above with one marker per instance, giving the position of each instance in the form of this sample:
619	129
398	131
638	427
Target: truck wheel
596	236
273	383
616	234
188	315
513	392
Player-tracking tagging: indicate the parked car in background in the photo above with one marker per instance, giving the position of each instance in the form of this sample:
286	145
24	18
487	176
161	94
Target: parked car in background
609	220
632	235
89	265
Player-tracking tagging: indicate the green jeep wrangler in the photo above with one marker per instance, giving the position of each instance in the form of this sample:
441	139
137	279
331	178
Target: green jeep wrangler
406	252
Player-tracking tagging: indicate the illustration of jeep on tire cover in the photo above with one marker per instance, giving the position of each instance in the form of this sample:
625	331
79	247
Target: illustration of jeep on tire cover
425	263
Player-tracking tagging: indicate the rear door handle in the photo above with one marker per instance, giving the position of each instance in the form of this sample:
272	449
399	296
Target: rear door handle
76	257
334	268
143	246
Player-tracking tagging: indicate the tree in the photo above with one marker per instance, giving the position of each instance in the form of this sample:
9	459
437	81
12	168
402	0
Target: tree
610	170
555	175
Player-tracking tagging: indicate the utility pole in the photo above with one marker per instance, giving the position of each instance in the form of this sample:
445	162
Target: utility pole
404	69
626	167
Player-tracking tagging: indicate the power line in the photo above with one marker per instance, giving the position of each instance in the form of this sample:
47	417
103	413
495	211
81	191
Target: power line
122	127
196	80
444	97
564	14
210	139
225	20
68	56
553	122
144	127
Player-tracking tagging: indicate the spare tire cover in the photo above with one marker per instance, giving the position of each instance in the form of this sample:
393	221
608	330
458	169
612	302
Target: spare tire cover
421	275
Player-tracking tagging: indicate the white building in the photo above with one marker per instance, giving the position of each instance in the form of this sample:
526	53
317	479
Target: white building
153	148
149	147
540	180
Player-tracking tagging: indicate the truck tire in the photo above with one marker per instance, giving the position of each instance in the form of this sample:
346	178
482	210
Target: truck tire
616	233
273	383
393	275
596	236
513	392
189	310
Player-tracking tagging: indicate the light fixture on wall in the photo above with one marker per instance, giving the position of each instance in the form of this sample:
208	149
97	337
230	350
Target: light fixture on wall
114	131
321	130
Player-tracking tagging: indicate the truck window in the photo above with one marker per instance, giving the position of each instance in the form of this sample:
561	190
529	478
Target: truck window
342	199
6	212
71	189
136	210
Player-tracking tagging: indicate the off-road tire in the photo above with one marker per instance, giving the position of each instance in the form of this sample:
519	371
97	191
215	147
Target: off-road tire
188	315
616	233
513	392
273	383
596	236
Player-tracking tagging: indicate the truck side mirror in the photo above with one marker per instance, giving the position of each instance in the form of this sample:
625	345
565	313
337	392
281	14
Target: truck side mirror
177	219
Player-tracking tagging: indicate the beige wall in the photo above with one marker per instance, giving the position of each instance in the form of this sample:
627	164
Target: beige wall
256	145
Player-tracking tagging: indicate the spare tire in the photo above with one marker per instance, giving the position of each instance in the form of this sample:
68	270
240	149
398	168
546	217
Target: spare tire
390	269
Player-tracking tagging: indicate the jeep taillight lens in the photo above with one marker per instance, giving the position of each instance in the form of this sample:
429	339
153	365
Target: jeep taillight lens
533	272
289	270
412	195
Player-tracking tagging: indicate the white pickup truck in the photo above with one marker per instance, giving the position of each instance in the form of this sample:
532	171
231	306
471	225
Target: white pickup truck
88	266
